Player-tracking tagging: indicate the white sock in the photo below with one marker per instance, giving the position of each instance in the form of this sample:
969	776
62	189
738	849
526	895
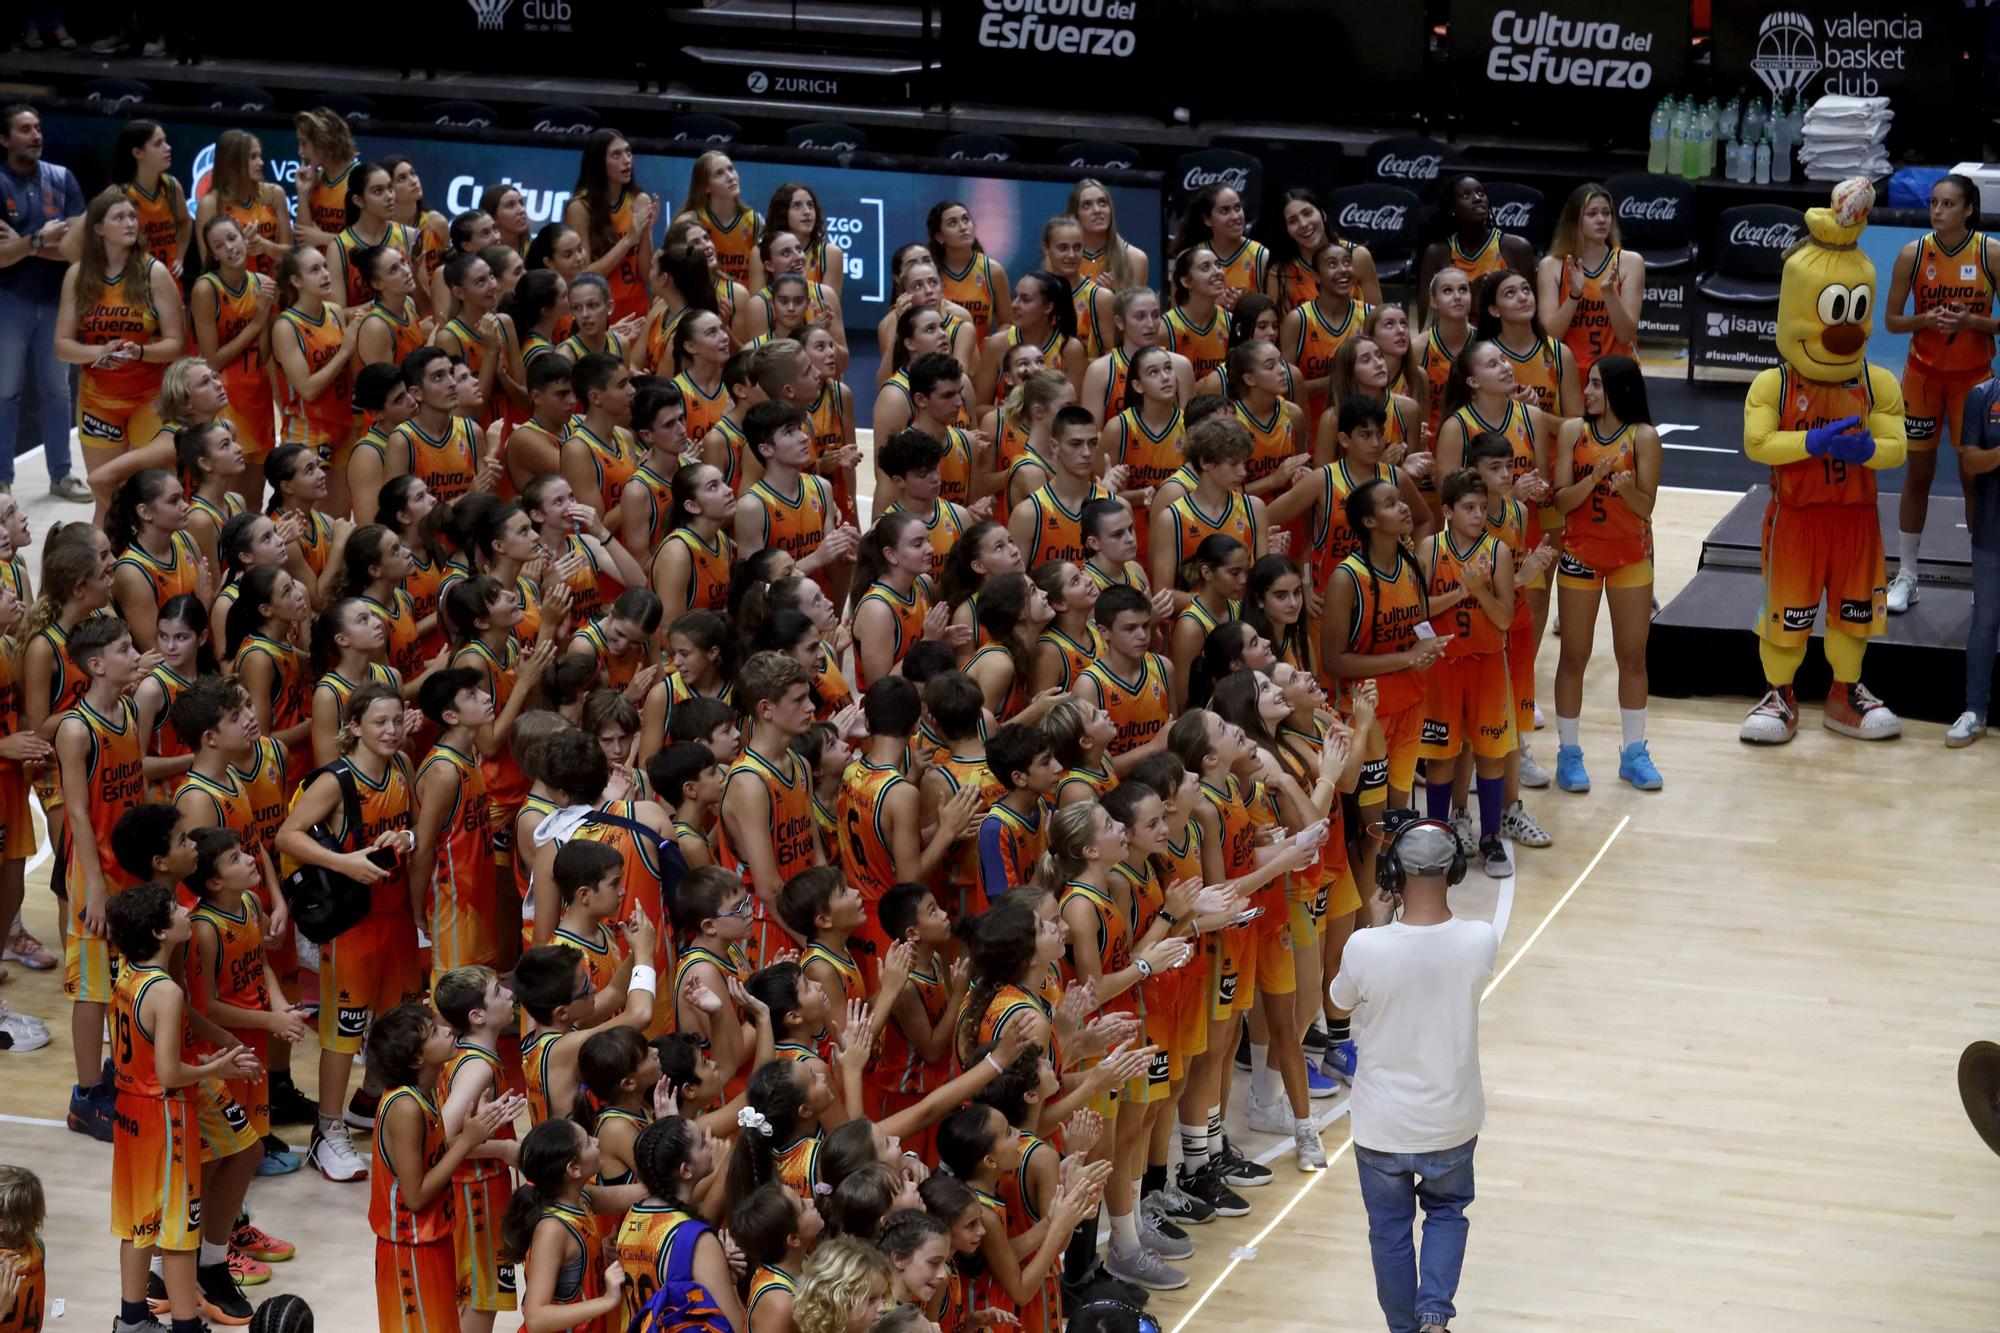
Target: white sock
211	1253
1304	1122
1124	1232
1194	1147
1632	722
1907	544
1566	729
1265	1082
157	1264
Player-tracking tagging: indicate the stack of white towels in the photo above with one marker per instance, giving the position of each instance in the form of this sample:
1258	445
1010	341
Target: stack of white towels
1844	137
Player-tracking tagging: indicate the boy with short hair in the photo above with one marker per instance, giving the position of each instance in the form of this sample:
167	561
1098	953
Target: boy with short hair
820	905
1047	524
1011	836
479	1009
910	458
554	991
916	1052
645	502
100	758
956	711
712	912
767	830
688	782
788	507
1128	680
410	1203
156	1199
535	447
709	722
590	880
599	452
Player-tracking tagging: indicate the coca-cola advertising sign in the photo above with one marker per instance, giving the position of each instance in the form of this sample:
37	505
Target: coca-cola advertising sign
1095	51
1764	236
1665	209
1380	220
1527	60
1417	167
1513	215
1218	167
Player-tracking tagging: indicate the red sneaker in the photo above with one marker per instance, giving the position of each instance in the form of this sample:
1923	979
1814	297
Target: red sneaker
260	1244
1853	710
247	1271
1774	720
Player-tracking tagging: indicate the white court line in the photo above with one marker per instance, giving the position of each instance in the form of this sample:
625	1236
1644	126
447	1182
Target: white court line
1342	1150
1703	490
33	1120
1699	448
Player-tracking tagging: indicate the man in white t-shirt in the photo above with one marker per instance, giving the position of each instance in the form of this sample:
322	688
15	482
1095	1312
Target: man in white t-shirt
1412	985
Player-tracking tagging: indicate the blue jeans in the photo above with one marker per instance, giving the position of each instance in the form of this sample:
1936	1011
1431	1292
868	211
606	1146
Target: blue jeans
1415	1291
1982	641
28	347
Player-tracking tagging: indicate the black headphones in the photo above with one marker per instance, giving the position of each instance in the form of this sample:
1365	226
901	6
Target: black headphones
1390	875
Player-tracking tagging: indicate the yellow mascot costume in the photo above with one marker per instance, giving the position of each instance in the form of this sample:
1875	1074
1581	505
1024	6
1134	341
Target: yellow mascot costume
1824	422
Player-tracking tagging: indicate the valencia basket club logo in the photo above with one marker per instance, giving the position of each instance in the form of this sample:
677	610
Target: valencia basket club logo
490	14
1787	52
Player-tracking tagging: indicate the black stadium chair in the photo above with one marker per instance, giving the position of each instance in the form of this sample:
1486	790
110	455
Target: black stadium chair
1739	294
1381	217
977	148
111	96
349	106
460	115
1520	210
1099	155
714	131
1656	219
236	97
563	120
827	136
1408	160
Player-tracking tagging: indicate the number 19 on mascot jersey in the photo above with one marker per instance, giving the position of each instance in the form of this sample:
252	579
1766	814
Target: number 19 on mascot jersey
1825	422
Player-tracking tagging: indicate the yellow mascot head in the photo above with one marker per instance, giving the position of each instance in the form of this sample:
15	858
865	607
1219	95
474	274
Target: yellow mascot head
1826	299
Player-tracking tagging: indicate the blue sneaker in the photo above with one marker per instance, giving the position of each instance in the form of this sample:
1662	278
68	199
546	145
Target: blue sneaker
1569	769
91	1111
279	1164
1635	765
1318	1084
1340	1061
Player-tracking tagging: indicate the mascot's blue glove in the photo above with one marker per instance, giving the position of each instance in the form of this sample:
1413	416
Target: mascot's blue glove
1819	440
1857	447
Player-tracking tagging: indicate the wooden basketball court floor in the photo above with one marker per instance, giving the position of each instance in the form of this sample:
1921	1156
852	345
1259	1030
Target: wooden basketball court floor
1719	1059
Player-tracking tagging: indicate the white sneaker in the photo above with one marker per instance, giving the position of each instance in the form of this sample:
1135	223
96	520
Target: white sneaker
1902	591
1519	825
1540	721
1312	1154
1969	728
1273	1119
21	1033
334	1156
1532	773
1468	832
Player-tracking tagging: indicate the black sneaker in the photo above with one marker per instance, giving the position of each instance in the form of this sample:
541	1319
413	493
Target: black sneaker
1314	1039
360	1113
289	1106
1237	1169
1173	1205
1243	1050
221	1299
1207	1186
156	1294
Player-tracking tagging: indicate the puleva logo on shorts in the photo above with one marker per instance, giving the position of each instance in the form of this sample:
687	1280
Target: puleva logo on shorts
1436	732
1800	617
490	14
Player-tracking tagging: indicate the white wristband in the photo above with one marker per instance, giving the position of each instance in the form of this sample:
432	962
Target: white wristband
644	978
998	1068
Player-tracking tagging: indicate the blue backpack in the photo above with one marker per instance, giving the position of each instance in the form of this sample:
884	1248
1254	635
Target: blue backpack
682	1304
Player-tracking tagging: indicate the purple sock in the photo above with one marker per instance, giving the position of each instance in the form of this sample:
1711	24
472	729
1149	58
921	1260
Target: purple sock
1490	795
1437	800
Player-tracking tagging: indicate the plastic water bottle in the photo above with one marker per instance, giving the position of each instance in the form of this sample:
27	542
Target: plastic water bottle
1726	159
1659	136
1764	162
1732	115
1783	144
1753	121
1677	130
1710	116
1691	154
